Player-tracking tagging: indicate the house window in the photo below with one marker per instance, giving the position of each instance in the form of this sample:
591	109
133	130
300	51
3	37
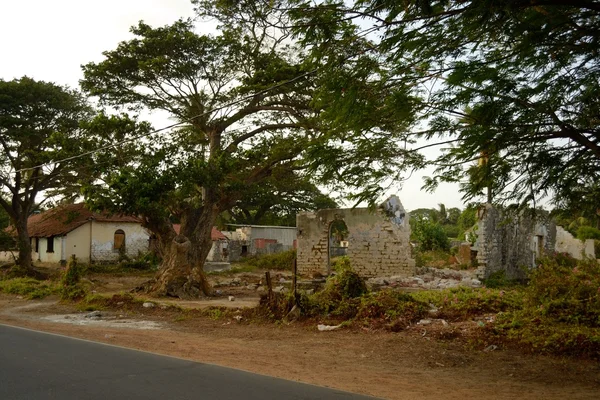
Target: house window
37	245
50	247
119	243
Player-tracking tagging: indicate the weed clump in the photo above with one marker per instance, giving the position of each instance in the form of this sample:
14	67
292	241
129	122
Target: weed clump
71	288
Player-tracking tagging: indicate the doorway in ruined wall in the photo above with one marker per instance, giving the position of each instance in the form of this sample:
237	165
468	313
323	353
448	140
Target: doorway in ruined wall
337	243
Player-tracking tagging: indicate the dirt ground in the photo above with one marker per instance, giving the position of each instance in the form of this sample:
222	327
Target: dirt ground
405	365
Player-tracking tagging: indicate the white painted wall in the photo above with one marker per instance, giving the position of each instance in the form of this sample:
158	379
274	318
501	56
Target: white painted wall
566	243
103	235
51	257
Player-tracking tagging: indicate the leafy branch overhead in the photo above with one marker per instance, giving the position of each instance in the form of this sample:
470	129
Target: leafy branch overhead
513	84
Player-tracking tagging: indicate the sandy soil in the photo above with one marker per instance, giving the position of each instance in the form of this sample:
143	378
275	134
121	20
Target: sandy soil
405	365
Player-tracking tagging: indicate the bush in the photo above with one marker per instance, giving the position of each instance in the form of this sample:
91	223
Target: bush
429	235
279	261
588	232
566	290
561	309
397	308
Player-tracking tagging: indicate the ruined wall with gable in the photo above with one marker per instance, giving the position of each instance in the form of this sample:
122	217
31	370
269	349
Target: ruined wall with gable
378	240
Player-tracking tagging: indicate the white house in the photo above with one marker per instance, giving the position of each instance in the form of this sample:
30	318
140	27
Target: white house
72	229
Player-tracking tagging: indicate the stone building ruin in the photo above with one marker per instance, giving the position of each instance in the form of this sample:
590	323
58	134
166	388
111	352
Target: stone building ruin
376	241
513	241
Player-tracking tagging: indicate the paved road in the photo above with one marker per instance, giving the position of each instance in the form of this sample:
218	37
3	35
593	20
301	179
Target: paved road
36	365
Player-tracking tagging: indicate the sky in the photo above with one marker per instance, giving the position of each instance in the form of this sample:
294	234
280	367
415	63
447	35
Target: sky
50	40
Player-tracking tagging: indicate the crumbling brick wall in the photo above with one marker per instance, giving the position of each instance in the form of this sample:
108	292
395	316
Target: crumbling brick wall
512	240
378	240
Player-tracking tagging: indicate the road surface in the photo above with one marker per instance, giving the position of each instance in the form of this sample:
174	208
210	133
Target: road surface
36	365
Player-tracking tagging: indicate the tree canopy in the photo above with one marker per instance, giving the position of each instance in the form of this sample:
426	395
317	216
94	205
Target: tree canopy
45	137
247	112
510	88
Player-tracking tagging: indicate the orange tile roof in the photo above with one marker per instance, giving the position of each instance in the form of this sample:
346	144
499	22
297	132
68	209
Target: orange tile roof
65	218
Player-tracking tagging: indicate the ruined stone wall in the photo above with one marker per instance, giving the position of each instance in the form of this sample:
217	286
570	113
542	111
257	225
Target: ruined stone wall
512	241
378	241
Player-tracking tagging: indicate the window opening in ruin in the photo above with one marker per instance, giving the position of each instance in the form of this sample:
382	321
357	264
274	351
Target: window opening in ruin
244	251
119	242
337	242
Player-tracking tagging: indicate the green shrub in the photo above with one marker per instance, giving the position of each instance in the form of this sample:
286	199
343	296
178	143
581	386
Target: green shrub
279	261
588	232
429	235
565	290
391	306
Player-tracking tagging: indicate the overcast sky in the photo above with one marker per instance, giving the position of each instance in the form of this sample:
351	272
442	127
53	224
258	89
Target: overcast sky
50	40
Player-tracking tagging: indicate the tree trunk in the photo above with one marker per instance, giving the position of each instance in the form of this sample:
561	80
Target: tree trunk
182	271
24	244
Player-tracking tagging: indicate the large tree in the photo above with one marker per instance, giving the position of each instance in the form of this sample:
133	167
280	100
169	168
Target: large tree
527	71
47	133
39	127
246	112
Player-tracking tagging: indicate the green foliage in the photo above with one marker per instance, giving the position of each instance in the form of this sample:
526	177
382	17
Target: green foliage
277	200
498	92
398	308
346	282
468	218
561	309
566	290
588	232
29	287
279	261
429	235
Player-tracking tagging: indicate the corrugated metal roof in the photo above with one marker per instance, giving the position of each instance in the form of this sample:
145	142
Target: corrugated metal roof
63	219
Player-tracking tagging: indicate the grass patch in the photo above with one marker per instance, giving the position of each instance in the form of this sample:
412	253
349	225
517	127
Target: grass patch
29	287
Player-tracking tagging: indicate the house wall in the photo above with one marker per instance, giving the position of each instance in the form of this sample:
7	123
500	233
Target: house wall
566	243
378	241
78	243
103	235
44	256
